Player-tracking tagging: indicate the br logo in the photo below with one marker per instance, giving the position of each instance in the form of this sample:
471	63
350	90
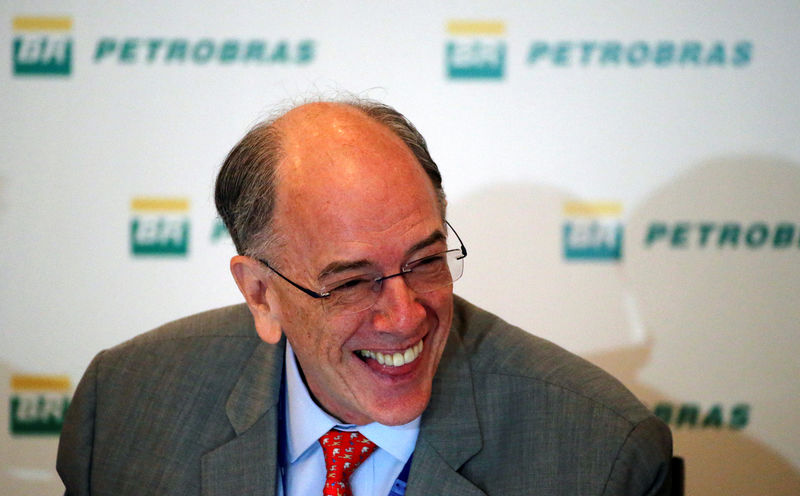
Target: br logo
476	50
38	404
42	46
592	231
159	226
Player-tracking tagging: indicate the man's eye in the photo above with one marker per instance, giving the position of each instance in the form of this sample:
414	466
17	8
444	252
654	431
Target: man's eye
351	284
432	262
431	259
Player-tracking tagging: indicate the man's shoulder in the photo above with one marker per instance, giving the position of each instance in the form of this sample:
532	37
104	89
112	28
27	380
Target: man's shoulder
208	350
499	349
579	430
162	400
234	321
228	330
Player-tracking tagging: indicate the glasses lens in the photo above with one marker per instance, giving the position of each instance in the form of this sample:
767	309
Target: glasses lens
352	295
434	272
422	276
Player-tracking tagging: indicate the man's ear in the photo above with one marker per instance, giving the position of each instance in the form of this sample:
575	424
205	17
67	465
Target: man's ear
250	278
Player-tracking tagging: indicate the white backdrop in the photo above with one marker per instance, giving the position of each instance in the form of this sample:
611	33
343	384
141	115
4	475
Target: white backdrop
626	176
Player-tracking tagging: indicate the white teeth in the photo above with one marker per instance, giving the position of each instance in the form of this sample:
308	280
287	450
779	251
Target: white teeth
394	359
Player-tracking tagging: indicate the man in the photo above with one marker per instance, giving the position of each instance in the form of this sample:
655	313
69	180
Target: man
346	264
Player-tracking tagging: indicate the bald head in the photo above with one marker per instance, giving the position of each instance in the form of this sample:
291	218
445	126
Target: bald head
290	152
312	134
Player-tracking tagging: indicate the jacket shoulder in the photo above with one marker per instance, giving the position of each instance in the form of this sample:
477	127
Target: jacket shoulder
214	344
230	322
497	348
579	430
148	409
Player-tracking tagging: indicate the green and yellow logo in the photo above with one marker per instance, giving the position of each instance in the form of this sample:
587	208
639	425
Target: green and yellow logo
592	231
694	416
476	50
38	403
159	226
42	46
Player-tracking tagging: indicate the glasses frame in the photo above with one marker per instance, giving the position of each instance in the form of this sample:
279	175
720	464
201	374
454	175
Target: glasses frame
380	280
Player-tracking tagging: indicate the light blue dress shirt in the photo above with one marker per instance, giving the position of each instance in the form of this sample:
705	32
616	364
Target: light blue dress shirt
303	466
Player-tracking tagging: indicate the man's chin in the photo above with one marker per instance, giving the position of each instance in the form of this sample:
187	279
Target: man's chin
400	411
394	420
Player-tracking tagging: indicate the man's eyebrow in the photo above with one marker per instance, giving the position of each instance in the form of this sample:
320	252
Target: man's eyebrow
434	238
339	266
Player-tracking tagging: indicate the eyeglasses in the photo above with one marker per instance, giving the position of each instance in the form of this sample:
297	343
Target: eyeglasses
357	293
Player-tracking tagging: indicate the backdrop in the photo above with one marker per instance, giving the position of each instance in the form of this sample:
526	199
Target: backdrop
626	176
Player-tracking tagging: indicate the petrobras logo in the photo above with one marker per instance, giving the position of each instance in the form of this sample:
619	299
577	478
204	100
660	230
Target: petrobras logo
42	46
697	416
38	403
203	51
592	231
640	53
475	50
159	226
717	235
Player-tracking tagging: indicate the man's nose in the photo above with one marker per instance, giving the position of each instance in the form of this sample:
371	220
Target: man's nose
397	309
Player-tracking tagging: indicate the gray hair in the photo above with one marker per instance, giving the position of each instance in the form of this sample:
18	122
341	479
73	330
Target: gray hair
246	185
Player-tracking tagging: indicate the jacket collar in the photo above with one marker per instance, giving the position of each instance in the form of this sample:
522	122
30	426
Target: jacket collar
450	433
248	463
258	388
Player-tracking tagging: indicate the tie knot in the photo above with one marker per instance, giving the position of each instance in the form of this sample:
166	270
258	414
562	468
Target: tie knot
344	452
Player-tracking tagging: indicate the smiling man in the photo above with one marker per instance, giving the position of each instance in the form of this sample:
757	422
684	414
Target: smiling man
352	368
351	200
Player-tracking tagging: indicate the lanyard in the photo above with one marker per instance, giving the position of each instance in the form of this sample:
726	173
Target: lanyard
399	486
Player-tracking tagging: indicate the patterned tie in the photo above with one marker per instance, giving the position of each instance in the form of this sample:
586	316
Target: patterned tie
344	452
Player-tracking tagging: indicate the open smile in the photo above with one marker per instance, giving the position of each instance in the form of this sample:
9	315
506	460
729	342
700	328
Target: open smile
394	359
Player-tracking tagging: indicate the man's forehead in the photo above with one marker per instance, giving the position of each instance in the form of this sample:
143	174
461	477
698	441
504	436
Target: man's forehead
345	178
332	147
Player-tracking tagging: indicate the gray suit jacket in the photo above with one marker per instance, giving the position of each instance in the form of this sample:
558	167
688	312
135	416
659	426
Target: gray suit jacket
192	408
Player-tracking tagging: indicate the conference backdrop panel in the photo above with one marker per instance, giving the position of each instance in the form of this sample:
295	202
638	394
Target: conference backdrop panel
625	175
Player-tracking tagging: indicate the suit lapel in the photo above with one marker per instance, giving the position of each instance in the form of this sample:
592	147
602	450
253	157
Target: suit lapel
449	432
247	464
430	474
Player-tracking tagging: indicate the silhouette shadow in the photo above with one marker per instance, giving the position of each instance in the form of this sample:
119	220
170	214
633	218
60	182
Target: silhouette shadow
634	318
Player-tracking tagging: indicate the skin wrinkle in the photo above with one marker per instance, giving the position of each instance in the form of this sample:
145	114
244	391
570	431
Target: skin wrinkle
339	266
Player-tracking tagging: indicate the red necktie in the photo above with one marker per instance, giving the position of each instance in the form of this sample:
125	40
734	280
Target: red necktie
344	452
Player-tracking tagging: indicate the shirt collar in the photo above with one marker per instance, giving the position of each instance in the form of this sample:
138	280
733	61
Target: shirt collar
306	422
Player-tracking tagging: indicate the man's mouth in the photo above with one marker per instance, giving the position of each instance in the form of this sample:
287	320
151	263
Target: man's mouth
395	359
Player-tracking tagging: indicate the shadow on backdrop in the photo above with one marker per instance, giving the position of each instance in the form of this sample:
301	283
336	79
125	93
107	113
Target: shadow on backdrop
678	324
